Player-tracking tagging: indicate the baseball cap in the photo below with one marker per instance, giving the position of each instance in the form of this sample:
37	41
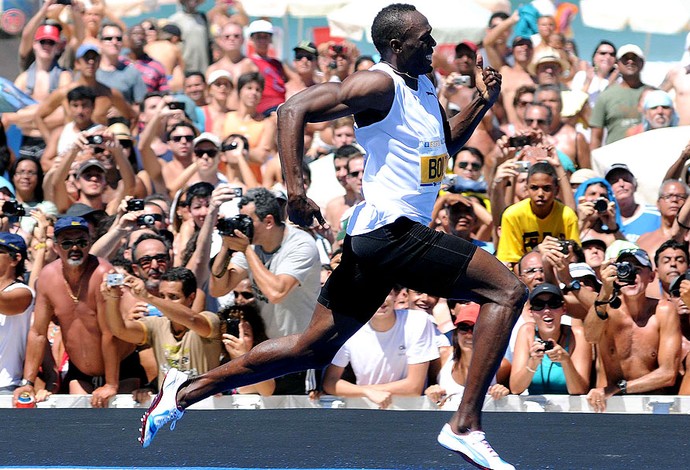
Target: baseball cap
120	131
172	30
7	186
582	175
617	167
260	26
208	137
629	49
617	246
520	40
88	164
84	48
580	270
71	222
467	313
657	98
545	288
47	31
82	210
640	255
306	46
593	241
218	74
466	45
546	56
13	242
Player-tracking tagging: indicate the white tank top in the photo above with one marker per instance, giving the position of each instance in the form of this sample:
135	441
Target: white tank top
405	161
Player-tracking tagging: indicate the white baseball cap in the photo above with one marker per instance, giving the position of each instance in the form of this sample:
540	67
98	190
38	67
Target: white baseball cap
260	26
218	74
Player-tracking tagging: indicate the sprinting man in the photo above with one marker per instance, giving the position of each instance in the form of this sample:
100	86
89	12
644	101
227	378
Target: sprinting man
407	139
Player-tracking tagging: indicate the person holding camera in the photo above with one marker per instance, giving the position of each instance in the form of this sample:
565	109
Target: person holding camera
282	263
179	336
638	338
597	211
550	357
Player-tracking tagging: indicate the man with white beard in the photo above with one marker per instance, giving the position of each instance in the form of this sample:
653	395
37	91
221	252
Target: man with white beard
68	291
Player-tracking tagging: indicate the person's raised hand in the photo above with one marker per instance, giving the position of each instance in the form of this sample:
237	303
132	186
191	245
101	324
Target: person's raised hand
488	81
305	212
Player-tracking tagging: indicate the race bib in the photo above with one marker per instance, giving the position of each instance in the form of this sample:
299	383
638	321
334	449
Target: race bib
433	162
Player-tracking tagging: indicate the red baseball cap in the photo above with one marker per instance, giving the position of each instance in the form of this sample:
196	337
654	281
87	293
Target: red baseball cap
467	313
47	32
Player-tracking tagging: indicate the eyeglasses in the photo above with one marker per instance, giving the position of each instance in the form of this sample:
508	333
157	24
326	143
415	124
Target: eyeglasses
355	174
473	165
210	153
533	271
465	327
669	197
112	38
145	261
304	55
244	295
47	42
79	242
26	173
553	303
538	121
180	138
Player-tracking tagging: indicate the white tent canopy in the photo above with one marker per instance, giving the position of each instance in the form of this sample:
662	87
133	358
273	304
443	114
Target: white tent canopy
660	16
452	21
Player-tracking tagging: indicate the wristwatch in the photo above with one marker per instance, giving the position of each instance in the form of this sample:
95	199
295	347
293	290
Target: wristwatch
25	382
571	286
623	386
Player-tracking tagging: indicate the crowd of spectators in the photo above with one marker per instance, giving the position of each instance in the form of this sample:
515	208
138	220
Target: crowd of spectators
144	226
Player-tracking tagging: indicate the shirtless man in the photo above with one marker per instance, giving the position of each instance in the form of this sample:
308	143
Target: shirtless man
87	60
516	76
338	207
678	80
230	41
566	138
455	93
305	65
672	196
68	290
639	341
166	51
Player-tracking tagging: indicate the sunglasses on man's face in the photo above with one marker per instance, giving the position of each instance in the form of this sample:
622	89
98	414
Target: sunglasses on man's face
79	242
179	138
553	303
211	153
476	166
244	295
304	55
145	261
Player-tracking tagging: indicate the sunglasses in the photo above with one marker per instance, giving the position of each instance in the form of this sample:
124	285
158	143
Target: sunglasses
112	38
354	174
146	261
244	295
79	242
47	42
553	303
305	55
211	153
473	165
538	121
180	138
465	327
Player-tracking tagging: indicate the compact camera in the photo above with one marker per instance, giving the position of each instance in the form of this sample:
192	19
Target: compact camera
176	105
149	219
13	208
565	245
134	205
626	272
94	139
674	288
548	344
523	166
462	80
115	279
232	327
518	141
241	222
601	205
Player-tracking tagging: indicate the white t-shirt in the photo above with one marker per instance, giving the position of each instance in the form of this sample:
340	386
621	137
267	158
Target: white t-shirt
382	357
324	184
13	333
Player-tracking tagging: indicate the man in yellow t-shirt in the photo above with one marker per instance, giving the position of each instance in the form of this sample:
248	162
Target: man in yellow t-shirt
525	224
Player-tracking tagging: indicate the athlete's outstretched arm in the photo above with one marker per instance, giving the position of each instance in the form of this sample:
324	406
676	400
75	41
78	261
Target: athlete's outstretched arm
362	92
466	121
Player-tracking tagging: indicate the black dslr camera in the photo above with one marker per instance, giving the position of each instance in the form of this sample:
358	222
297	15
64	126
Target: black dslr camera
13	208
94	139
601	205
243	223
674	288
626	272
148	220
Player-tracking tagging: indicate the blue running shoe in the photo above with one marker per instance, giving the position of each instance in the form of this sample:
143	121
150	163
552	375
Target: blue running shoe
164	407
474	448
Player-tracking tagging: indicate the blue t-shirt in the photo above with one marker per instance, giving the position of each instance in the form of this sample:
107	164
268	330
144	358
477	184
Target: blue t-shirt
648	220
